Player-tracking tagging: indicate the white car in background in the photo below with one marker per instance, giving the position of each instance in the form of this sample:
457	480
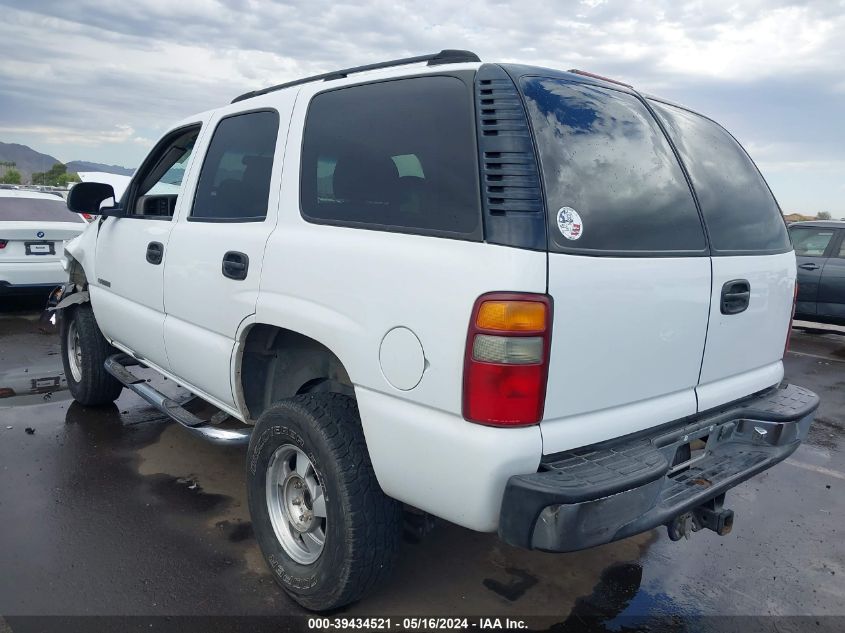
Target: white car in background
33	229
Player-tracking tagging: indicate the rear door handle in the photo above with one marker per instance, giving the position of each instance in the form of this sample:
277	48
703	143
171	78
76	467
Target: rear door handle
155	252
736	296
809	266
235	265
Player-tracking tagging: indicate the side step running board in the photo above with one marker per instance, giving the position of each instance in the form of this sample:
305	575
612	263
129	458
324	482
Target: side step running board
116	366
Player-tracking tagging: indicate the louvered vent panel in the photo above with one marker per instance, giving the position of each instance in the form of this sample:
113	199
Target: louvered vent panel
512	195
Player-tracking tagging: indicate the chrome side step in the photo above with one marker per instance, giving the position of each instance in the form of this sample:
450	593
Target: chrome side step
116	366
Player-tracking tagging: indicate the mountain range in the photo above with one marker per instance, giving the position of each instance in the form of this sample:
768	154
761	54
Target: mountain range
27	161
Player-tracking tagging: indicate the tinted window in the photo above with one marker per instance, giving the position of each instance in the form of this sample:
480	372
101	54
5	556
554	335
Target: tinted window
810	242
396	154
740	211
14	209
234	182
603	155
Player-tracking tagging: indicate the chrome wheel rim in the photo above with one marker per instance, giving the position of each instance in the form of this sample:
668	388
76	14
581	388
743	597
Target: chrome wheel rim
296	504
74	352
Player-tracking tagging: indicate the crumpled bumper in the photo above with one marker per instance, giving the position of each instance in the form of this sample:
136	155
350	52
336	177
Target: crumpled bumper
602	493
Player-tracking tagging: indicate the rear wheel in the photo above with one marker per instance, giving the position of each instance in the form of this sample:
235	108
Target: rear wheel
327	531
84	350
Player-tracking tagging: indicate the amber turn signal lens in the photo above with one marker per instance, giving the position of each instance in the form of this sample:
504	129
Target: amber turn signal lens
512	316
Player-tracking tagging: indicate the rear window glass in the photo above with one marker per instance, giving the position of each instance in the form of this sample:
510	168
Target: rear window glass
14	209
810	242
740	211
612	182
395	155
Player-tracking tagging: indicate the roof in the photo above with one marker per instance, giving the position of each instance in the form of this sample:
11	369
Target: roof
26	193
821	224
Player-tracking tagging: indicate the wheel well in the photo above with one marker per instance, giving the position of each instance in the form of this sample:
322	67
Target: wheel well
278	363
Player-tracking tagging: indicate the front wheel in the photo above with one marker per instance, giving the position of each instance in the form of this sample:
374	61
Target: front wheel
327	531
84	351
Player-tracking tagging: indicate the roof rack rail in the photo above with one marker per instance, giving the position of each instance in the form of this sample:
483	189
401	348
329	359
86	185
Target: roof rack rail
446	56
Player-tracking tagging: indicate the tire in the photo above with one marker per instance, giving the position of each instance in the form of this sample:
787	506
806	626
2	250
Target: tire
362	526
87	379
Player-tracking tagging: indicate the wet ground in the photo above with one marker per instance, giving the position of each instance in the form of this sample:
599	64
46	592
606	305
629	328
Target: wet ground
116	511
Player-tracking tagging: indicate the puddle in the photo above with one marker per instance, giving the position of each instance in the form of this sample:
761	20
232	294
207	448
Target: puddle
186	467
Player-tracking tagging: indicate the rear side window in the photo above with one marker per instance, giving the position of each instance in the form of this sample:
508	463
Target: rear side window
612	182
234	183
809	242
394	155
741	214
15	209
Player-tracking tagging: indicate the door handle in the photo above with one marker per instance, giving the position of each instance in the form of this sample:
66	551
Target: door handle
235	265
809	266
155	252
736	296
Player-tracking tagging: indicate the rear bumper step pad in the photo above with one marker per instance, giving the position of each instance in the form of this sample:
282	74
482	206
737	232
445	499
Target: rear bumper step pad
616	489
116	366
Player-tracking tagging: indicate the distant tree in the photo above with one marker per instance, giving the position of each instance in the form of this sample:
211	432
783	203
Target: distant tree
824	215
11	177
57	176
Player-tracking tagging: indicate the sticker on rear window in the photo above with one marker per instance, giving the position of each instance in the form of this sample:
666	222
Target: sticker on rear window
569	223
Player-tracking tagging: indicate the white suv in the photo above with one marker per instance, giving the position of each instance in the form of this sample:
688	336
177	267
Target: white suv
519	299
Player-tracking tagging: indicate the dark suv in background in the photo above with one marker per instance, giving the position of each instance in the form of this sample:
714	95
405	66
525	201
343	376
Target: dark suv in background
820	251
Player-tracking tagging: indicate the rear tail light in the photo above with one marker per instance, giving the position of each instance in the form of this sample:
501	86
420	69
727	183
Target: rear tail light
506	362
791	317
7	392
3	243
87	216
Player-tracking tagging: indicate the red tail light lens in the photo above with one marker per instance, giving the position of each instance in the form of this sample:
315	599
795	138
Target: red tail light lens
791	318
506	361
3	243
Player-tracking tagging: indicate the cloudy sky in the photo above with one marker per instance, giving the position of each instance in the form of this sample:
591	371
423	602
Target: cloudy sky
100	80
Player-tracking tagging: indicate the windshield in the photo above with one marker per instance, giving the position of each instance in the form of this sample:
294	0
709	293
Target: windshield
14	209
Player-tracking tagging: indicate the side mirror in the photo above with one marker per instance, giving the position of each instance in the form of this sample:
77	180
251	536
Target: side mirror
86	197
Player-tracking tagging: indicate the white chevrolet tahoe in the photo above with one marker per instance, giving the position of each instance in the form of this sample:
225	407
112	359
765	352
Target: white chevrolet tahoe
518	299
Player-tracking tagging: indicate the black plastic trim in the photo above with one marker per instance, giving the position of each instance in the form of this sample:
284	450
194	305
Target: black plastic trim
253	218
512	197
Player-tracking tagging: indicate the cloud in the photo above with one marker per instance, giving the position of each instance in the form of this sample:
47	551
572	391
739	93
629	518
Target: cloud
83	137
73	70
